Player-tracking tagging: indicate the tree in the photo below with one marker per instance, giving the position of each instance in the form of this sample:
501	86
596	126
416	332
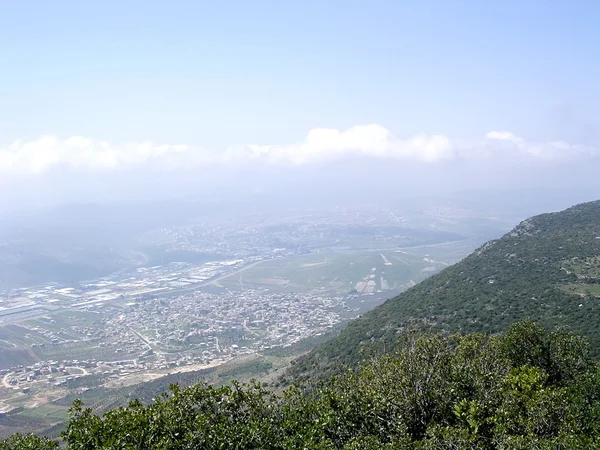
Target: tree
525	388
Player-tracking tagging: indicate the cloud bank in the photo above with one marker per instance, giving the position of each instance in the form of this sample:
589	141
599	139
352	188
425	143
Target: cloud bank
364	140
320	146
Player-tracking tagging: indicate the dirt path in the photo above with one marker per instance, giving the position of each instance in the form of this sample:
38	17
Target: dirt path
142	377
5	382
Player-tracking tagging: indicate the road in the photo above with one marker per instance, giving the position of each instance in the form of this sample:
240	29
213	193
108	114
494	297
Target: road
227	275
141	338
85	372
5	381
196	286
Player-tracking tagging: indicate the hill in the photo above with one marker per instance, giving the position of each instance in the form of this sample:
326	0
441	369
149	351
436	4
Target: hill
546	269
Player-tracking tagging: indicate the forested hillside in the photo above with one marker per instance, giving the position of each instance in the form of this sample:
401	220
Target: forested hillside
546	269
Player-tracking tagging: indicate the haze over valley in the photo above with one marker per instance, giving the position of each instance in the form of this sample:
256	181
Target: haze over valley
98	298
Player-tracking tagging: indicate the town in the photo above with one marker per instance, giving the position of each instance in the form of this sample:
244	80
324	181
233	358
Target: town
206	297
153	322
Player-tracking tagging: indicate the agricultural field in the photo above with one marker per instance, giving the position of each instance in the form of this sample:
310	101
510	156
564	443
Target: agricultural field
588	276
583	289
342	272
585	267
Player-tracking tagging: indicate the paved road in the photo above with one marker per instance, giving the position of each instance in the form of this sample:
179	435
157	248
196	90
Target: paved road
227	275
141	338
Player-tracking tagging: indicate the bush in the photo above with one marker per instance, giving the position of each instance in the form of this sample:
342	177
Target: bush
525	388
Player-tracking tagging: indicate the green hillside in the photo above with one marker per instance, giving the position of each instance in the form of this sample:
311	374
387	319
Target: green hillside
546	269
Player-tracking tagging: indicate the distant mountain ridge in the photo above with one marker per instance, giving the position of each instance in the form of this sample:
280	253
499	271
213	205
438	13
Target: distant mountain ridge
546	269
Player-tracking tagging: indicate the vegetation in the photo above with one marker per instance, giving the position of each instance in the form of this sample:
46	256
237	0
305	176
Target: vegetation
101	393
546	269
526	388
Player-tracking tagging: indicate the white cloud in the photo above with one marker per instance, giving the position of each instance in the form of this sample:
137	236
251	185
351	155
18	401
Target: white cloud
79	152
503	136
364	140
321	145
504	142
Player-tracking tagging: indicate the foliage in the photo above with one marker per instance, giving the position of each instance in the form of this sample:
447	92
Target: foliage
526	388
28	442
530	273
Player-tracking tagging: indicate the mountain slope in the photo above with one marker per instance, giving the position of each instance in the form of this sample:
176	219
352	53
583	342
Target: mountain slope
546	269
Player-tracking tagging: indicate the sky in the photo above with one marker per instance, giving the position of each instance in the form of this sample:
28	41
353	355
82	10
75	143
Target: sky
111	99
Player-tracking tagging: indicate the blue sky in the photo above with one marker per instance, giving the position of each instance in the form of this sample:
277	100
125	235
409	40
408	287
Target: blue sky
221	75
227	73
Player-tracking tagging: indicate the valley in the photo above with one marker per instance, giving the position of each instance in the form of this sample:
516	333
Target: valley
272	290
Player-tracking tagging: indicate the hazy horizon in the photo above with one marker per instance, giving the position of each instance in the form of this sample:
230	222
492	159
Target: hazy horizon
133	101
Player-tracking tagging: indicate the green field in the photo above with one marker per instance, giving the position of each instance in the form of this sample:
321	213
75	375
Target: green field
583	289
337	272
6	344
20	336
586	267
62	321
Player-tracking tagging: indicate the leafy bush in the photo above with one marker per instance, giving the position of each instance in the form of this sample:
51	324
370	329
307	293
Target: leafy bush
525	388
